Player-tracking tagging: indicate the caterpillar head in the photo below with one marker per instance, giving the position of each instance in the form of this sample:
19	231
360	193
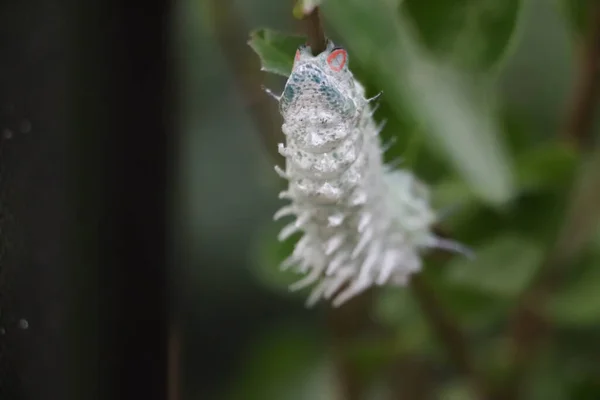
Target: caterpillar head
319	93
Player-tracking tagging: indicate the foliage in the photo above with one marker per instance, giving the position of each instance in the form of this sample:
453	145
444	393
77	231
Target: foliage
516	195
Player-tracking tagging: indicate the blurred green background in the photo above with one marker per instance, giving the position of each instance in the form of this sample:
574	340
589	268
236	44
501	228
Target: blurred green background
478	95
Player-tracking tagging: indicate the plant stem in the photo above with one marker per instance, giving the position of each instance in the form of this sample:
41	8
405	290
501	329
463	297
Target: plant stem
580	117
346	324
314	30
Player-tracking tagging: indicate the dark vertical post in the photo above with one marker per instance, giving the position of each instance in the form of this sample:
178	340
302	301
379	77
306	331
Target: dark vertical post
33	268
121	145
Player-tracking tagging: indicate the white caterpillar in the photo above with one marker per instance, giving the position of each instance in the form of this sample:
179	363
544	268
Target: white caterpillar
363	224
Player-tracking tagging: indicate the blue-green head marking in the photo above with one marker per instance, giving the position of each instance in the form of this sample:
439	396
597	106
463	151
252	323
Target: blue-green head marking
321	83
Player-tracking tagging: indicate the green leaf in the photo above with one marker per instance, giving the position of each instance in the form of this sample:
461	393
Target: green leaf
473	33
457	116
579	304
305	7
472	308
395	307
276	50
502	267
456	390
267	256
577	15
548	378
452	192
369	354
546	166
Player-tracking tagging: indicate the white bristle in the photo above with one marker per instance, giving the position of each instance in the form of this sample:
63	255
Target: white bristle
281	172
284	212
334	243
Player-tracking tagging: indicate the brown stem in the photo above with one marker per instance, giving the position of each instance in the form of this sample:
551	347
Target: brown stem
314	30
585	95
346	324
410	378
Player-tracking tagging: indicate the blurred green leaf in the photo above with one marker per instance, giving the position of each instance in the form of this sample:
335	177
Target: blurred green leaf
369	354
474	33
286	364
577	14
276	50
474	309
549	166
579	303
503	267
452	192
305	7
456	390
457	115
396	308
267	256
547	380
546	166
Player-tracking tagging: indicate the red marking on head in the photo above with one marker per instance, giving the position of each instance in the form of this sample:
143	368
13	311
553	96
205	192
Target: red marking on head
337	59
297	55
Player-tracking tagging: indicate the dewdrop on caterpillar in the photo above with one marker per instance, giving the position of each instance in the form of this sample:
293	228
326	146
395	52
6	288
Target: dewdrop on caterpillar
362	223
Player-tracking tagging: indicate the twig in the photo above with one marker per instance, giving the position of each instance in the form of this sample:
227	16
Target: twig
410	377
585	96
346	324
314	30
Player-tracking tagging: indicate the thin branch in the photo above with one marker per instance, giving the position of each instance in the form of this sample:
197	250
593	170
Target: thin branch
585	95
346	324
410	377
314	30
